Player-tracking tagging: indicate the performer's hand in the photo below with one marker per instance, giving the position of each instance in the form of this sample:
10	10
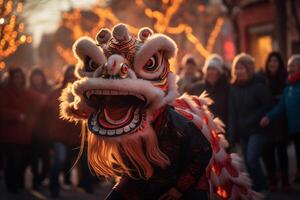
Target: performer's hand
264	122
172	194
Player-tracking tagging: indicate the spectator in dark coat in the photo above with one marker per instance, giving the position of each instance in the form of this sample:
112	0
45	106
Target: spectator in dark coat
276	146
249	99
17	108
216	84
289	105
40	148
62	135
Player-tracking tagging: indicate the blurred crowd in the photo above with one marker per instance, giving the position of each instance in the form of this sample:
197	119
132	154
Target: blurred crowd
32	134
261	112
260	109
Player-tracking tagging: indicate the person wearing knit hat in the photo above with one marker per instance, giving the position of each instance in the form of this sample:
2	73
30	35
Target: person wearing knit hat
214	61
216	84
189	74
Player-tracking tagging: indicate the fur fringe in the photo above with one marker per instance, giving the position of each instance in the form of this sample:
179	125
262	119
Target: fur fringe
106	155
229	165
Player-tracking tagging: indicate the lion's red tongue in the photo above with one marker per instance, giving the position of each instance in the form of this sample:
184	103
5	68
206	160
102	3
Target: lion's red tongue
115	107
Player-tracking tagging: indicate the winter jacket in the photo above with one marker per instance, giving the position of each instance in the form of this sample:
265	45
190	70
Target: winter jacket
289	104
248	103
17	113
218	93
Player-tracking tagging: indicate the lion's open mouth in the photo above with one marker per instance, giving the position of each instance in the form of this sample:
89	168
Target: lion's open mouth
117	112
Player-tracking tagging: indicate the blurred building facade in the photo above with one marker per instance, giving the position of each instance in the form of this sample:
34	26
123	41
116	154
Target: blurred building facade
267	25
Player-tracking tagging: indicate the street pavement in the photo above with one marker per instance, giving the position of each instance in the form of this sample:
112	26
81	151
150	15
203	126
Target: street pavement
72	193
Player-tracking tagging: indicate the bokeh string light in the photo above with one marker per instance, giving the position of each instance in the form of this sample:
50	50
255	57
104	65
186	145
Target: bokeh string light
71	20
12	31
162	19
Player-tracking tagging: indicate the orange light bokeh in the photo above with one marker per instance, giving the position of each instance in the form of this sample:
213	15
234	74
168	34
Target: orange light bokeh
11	30
71	20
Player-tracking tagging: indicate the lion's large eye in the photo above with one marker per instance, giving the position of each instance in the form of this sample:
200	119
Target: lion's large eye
152	64
90	65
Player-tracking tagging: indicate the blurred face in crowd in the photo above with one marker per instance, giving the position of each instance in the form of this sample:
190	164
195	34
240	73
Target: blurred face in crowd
241	73
37	80
212	75
190	69
273	65
18	80
293	66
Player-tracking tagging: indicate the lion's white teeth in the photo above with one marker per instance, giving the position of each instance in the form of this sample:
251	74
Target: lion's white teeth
111	132
102	131
131	125
119	131
97	128
126	129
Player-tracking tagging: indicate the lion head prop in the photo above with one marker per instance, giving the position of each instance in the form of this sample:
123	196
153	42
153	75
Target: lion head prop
123	82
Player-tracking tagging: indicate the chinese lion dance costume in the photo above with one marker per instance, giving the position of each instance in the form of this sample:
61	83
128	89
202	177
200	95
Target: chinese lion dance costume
162	146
